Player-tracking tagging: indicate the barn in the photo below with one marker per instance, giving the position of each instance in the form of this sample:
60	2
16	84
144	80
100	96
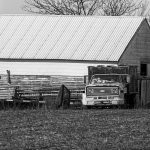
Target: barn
60	48
66	45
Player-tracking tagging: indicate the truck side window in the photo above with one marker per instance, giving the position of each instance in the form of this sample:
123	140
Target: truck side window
143	70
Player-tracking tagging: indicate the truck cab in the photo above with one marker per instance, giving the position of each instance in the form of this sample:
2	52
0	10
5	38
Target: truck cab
110	86
105	90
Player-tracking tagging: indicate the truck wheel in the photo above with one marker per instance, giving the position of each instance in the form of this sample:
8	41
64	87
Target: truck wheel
88	107
83	107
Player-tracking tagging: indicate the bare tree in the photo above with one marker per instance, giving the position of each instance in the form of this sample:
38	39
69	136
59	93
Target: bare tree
62	7
145	9
82	7
119	7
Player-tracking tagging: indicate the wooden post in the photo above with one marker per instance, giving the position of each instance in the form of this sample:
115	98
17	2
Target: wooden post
140	104
3	103
14	103
63	98
37	102
8	77
143	92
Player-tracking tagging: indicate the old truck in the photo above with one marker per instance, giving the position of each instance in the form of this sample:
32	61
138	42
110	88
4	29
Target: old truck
110	86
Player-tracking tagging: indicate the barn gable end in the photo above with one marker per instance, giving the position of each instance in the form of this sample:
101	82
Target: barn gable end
138	50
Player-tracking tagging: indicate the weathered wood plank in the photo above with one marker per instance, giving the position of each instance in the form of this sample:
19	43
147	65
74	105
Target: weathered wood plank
148	92
143	92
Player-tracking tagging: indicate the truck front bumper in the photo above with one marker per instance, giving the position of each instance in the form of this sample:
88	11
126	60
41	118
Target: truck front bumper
104	102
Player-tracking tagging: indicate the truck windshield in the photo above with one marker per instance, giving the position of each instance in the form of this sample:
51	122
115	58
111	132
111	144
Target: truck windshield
108	78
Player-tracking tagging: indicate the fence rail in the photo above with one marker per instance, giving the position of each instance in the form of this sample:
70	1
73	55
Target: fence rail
47	96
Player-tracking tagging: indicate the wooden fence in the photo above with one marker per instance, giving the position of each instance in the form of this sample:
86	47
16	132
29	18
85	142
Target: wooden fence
31	86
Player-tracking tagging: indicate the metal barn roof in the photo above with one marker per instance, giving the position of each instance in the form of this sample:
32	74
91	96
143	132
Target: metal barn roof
92	38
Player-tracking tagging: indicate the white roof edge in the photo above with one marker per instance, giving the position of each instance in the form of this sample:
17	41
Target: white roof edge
97	16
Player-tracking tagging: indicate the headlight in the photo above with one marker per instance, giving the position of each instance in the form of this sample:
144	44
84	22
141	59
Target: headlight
114	91
116	98
89	102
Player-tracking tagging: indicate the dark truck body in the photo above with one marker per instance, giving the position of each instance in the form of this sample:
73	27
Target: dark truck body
110	86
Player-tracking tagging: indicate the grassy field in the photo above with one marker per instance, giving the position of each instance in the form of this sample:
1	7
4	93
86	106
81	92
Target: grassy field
75	129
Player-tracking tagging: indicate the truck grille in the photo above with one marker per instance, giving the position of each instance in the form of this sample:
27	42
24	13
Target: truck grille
101	91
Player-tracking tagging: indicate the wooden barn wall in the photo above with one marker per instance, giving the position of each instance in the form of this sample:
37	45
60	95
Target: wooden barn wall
138	49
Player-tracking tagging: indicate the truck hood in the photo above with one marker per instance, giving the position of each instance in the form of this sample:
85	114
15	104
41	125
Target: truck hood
107	84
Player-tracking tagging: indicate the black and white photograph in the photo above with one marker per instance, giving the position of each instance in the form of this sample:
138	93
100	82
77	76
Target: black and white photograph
74	74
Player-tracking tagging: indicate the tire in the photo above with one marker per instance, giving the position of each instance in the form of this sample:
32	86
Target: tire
89	107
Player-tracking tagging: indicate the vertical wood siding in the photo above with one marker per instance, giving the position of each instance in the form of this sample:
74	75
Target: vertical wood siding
138	49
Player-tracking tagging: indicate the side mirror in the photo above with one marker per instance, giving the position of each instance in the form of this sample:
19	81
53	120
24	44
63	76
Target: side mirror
85	79
121	91
125	90
128	79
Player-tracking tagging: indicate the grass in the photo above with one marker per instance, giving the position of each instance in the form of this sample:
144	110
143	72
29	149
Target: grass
75	129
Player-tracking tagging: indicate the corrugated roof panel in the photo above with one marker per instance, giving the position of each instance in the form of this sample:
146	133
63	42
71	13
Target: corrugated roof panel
116	38
53	38
70	46
31	36
4	22
8	33
12	44
76	40
25	38
84	39
102	38
127	36
66	37
124	27
113	39
107	37
43	39
95	32
32	46
59	42
64	40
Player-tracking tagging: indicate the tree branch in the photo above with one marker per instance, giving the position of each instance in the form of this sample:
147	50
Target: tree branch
83	7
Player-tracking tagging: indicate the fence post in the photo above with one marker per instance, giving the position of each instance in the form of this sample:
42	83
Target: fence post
138	95
63	98
3	103
66	98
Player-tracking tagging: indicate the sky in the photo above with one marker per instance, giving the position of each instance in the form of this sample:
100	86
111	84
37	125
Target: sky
12	7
